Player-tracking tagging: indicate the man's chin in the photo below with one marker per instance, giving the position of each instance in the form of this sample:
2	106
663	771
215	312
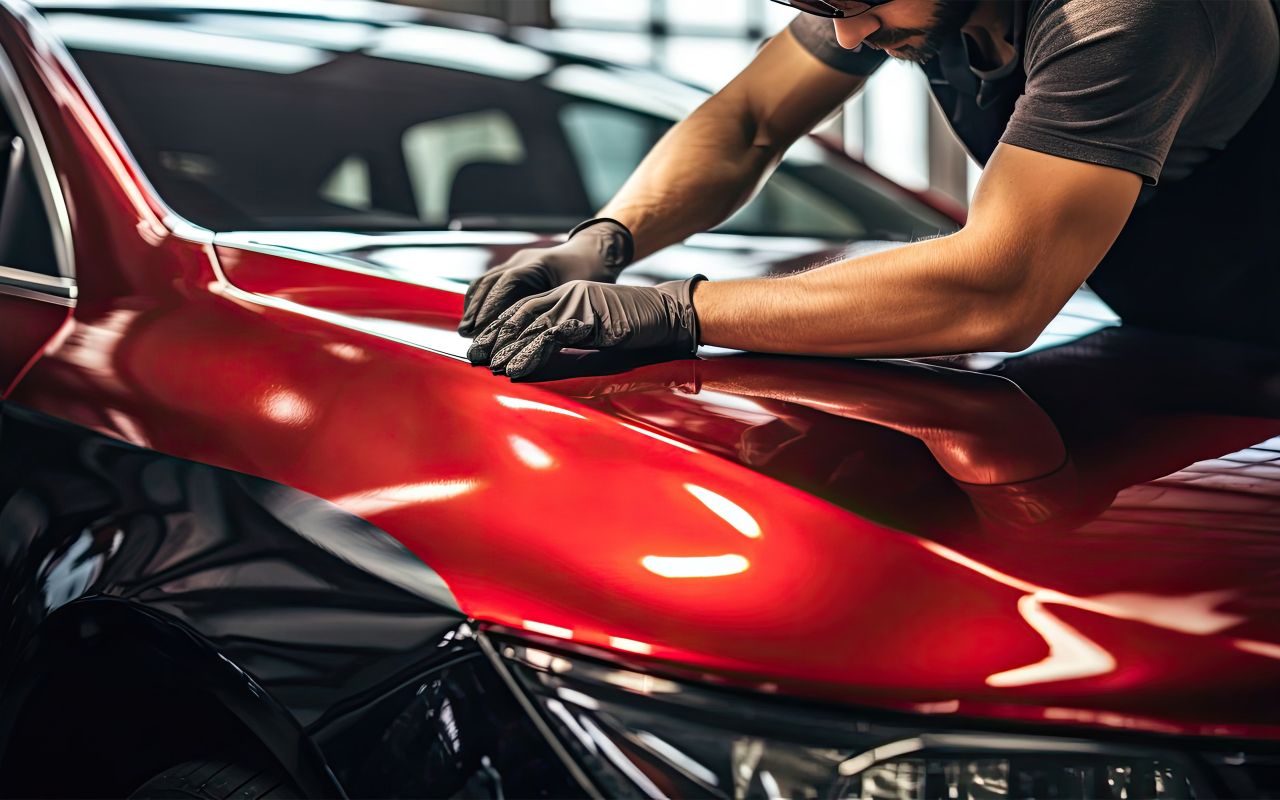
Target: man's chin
916	55
916	50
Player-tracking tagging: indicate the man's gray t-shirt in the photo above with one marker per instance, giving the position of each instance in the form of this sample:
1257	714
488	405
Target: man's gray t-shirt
1149	86
1181	92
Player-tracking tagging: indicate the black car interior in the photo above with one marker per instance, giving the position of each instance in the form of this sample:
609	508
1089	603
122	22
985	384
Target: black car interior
26	241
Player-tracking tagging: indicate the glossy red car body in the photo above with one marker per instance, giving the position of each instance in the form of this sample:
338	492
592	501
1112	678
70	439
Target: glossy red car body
887	535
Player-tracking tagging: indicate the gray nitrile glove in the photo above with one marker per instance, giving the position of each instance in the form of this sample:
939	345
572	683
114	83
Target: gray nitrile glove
597	250
589	315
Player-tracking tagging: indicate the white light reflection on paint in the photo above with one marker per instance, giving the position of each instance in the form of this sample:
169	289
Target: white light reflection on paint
534	405
660	437
347	352
548	630
630	645
727	510
286	407
1195	614
696	566
385	498
93	347
1071	654
940	707
127	427
1268	649
1108	718
1065	643
733	405
533	456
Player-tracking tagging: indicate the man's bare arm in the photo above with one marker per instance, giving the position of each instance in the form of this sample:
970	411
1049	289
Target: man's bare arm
1038	227
712	163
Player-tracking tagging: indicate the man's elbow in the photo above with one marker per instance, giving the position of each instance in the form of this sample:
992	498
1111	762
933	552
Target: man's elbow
1008	322
1011	301
1015	338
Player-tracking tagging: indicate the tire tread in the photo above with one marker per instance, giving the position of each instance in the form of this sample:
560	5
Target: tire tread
216	780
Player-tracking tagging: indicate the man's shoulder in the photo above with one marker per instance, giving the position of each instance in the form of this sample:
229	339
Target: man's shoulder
1134	25
818	36
1087	13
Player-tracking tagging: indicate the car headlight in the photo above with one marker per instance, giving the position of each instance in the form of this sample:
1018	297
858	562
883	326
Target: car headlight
637	735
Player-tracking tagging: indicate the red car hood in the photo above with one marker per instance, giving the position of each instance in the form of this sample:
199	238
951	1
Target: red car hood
1085	534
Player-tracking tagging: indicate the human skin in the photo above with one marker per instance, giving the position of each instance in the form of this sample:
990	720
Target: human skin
1038	225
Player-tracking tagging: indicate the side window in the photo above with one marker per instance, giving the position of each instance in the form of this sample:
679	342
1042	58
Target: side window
456	164
608	143
26	238
787	206
349	184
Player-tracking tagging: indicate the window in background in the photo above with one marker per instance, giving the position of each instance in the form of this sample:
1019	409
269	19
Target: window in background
709	62
974	173
609	143
724	18
437	150
634	15
787	206
896	114
349	185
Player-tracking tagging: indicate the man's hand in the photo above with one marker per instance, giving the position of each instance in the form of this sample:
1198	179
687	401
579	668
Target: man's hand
595	251
589	315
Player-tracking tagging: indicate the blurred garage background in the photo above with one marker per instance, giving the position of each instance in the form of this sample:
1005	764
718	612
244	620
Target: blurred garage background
893	124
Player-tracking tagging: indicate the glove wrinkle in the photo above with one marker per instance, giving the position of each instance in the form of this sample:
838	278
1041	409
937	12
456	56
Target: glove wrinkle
592	315
598	251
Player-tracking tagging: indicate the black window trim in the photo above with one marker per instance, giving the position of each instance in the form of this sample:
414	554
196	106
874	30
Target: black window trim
15	281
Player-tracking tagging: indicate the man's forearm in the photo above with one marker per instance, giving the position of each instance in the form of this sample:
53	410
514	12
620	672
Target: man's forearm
712	163
929	298
702	171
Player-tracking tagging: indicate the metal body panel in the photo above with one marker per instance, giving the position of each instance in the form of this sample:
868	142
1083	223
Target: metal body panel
30	322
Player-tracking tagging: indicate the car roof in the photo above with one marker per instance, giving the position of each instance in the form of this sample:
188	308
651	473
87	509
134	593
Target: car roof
363	10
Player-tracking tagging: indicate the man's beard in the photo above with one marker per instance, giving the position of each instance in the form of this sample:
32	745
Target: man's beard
948	18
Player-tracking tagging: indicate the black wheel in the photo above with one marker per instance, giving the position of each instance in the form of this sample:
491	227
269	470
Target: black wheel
217	780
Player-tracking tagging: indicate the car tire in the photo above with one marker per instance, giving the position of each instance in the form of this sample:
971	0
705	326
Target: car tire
217	780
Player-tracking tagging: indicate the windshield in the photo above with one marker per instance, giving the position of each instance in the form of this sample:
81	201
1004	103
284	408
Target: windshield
248	121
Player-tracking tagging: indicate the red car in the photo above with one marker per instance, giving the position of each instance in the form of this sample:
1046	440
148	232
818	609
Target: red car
265	533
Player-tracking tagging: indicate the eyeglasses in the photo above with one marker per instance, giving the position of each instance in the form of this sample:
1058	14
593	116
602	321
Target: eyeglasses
835	9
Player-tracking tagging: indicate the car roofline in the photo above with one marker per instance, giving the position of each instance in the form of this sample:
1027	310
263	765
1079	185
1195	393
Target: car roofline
364	11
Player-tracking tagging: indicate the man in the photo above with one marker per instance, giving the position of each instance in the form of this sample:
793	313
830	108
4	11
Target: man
1132	143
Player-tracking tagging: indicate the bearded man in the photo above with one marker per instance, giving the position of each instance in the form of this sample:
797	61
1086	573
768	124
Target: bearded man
1135	143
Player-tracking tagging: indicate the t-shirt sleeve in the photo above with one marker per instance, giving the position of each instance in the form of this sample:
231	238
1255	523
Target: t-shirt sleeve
1109	82
818	36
